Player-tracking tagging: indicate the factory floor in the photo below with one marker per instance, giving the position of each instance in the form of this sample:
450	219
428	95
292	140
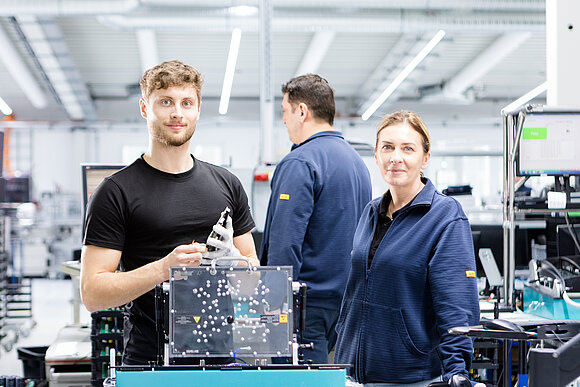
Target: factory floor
51	310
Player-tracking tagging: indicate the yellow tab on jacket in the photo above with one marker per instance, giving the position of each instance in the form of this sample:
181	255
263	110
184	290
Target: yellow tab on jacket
470	273
284	196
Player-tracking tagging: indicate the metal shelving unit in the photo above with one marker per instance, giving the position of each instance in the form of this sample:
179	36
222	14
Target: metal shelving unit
513	126
106	334
6	339
487	351
3	306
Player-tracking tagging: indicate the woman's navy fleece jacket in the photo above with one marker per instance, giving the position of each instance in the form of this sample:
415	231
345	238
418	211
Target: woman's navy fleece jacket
395	315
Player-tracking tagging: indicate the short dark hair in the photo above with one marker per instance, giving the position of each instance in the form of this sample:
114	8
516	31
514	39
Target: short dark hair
315	92
171	73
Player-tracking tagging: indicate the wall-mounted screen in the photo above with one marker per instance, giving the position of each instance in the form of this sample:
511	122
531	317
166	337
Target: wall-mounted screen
550	144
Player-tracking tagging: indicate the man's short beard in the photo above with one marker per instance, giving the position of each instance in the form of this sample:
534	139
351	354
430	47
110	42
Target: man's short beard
161	137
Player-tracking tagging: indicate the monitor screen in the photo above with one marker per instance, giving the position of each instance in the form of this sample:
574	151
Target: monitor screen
15	189
550	144
565	241
92	176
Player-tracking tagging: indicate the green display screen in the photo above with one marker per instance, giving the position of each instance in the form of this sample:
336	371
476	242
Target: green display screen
535	133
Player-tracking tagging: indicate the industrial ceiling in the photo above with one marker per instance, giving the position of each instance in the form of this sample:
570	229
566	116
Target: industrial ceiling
81	60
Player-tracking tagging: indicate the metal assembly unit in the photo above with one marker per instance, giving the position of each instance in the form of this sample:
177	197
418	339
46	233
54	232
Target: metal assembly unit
230	312
220	322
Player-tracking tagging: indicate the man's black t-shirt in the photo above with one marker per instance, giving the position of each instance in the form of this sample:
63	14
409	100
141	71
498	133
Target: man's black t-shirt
145	213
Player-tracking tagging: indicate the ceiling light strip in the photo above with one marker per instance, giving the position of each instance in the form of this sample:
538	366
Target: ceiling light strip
230	70
4	108
403	75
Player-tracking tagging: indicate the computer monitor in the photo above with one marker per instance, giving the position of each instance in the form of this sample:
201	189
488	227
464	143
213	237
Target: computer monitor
549	144
491	236
565	242
15	189
92	176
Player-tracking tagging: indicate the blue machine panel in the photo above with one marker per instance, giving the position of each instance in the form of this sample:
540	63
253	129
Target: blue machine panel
228	378
542	305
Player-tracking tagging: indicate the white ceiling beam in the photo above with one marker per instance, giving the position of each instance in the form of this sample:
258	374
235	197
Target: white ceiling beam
393	59
402	52
20	73
484	62
315	52
147	43
41	34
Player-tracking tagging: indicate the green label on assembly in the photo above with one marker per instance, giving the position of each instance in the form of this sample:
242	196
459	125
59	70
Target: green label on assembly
535	133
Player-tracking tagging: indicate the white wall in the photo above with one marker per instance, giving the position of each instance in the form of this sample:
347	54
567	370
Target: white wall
53	154
461	154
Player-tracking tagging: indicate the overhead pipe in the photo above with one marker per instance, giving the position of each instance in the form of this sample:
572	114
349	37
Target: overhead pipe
393	23
484	62
119	7
315	52
371	4
66	7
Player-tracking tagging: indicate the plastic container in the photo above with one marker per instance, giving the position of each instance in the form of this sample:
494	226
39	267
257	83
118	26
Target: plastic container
33	362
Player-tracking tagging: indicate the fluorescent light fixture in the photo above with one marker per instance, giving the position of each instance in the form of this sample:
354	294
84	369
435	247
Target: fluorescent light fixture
230	69
243	10
526	98
403	75
4	108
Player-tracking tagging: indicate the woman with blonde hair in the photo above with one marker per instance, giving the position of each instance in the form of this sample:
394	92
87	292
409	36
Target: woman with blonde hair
413	273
